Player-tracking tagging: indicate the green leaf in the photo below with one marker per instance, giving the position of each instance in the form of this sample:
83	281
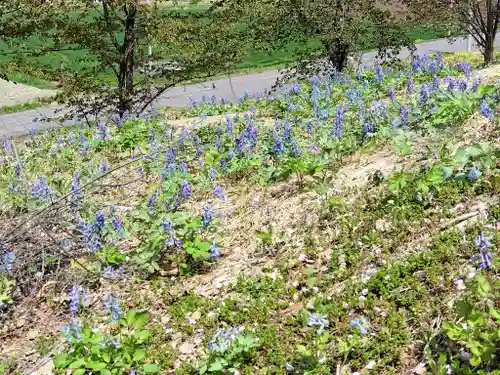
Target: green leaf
77	364
106	357
217	366
149	368
464	309
130	317
203	246
142	335
203	369
80	371
60	361
140	319
96	366
447	171
138	355
461	155
495	314
105	372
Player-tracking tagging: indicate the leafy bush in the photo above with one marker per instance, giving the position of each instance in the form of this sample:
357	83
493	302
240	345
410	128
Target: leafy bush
476	330
117	349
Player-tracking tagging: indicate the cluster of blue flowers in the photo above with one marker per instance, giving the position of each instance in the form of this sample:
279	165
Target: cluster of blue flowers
361	324
7	262
486	110
318	320
223	338
113	307
77	295
207	215
76	196
41	189
483	256
92	232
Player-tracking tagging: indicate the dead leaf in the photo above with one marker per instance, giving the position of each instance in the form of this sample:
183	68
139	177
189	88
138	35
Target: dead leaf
186	348
420	369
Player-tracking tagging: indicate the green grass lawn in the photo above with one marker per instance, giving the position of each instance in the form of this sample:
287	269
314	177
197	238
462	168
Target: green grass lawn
255	60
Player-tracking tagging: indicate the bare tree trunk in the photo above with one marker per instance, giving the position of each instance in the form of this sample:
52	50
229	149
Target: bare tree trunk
337	54
490	33
126	72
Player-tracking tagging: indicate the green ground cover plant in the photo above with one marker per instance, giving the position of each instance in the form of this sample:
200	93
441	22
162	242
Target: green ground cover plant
347	224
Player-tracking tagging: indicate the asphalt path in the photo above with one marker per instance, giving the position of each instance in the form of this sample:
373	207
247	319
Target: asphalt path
21	123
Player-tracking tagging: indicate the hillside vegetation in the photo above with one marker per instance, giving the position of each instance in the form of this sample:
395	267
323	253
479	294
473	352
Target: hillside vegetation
346	225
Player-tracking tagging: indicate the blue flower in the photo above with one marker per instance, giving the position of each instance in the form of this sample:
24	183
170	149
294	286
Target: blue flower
76	294
435	83
295	89
464	66
152	201
361	324
379	72
73	331
84	144
103	130
91	235
239	143
409	87
486	110
424	93
112	306
170	156
473	174
222	340
359	74
102	167
99	220
219	192
41	189
475	85
185	189
483	255
12	187
462	85
212	173
117	224
367	130
404	116
229	125
314	148
309	127
18	167
245	96
7	262
278	146
339	120
207	215
71	137
214	251
8	146
295	151
319	321
452	84
183	167
167	226
391	93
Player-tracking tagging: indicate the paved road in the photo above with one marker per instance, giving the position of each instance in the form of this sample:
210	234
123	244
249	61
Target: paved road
22	122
